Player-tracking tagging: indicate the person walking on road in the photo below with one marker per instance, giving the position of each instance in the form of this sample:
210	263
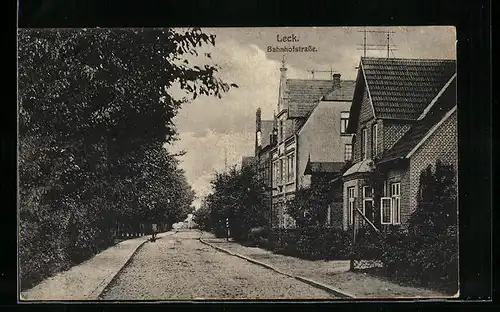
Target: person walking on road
154	229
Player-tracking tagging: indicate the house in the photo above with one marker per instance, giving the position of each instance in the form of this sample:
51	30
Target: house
265	140
324	146
403	118
308	123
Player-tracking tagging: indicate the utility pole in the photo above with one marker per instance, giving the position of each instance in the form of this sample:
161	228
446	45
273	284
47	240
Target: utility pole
379	47
364	43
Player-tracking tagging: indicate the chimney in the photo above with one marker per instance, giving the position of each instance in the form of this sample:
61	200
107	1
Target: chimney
258	132
336	81
258	118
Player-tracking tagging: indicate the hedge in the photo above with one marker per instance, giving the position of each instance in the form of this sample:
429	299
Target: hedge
313	243
429	259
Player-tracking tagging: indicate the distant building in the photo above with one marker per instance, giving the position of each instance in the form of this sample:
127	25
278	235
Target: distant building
265	140
403	118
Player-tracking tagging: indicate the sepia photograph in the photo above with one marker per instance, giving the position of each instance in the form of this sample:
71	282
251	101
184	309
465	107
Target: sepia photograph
239	163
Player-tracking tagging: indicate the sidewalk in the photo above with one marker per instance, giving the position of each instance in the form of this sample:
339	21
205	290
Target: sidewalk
87	280
335	274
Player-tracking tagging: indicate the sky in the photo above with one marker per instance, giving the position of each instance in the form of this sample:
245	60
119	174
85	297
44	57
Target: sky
210	128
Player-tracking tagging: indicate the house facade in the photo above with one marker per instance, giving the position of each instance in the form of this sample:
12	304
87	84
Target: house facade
265	140
308	125
403	118
324	146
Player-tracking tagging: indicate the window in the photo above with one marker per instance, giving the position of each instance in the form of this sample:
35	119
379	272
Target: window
351	199
259	138
364	143
291	165
368	202
374	140
282	170
344	119
287	168
390	212
281	130
276	172
396	203
347	152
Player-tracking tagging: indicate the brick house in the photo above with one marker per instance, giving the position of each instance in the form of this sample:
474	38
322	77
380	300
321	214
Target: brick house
403	117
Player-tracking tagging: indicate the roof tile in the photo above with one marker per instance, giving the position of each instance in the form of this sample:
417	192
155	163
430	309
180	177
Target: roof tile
418	131
402	88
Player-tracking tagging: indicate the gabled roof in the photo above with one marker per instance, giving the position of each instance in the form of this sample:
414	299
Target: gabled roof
444	104
363	166
344	93
304	94
266	130
323	167
399	88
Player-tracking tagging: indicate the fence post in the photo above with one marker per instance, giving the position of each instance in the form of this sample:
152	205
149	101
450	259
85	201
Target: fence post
353	245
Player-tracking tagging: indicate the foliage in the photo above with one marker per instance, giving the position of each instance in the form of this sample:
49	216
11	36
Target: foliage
238	196
427	253
312	242
437	206
309	205
95	111
202	217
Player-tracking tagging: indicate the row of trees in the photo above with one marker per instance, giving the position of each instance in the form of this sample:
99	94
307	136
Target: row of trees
95	112
237	196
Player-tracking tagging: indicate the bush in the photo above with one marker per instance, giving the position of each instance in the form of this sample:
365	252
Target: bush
313	243
422	259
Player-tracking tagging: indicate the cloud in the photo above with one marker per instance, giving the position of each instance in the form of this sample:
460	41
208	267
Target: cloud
208	126
206	155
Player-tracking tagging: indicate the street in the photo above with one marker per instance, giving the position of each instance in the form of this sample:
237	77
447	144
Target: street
180	267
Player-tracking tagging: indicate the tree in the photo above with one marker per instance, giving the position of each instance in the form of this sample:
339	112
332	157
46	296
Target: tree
309	206
238	196
95	110
437	206
202	217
